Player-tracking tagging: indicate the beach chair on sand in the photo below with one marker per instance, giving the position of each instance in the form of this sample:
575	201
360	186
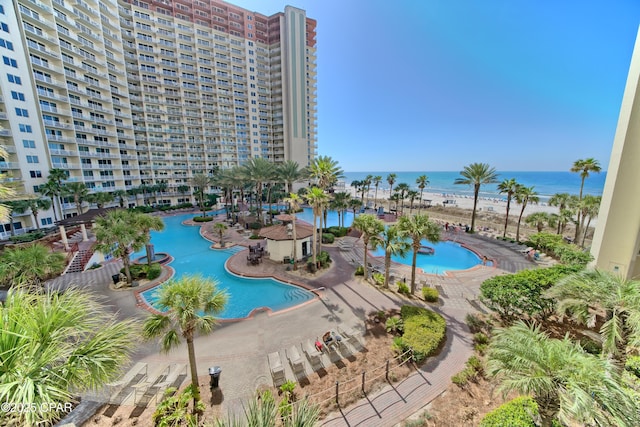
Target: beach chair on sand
314	356
276	368
296	361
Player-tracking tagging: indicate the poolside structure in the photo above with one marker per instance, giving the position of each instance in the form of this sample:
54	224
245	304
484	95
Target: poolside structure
616	242
279	239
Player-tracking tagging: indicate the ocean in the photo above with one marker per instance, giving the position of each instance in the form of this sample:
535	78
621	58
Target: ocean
545	183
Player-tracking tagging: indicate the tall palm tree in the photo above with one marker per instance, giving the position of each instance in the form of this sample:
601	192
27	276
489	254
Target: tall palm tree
51	190
191	303
422	181
508	187
476	174
220	228
201	183
592	293
55	180
402	189
354	205
340	203
37	205
258	171
100	198
325	171
537	220
590	209
391	179
78	191
370	227
117	233
376	182
122	194
567	383
288	173
15	207
367	183
524	196
412	195
317	199
294	202
416	228
561	200
394	243
358	185
55	346
29	266
584	167
144	223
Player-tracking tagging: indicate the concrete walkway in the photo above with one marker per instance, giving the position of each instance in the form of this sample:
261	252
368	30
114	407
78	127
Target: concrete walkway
240	348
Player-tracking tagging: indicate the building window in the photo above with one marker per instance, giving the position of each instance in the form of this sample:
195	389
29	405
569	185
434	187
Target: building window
28	143
5	27
17	95
35	174
10	61
14	79
33	159
46	221
25	128
6	43
21	112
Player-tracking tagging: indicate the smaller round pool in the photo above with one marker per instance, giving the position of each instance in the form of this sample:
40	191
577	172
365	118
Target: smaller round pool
448	256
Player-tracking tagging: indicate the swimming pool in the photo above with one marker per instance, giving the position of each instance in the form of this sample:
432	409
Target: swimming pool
448	256
192	255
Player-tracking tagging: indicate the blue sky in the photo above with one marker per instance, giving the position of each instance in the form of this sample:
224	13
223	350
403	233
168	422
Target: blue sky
424	85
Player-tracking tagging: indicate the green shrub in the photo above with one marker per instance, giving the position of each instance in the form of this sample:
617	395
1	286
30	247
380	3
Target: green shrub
202	218
394	325
519	412
328	238
475	363
255	226
424	331
378	278
463	377
474	323
311	266
399	345
28	237
480	338
138	271
591	346
430	294
359	271
633	365
337	231
403	288
324	259
154	271
480	348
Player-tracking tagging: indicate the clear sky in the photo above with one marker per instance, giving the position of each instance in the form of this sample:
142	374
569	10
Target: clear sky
433	85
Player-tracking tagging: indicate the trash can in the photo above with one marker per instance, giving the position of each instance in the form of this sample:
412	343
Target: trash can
214	373
115	278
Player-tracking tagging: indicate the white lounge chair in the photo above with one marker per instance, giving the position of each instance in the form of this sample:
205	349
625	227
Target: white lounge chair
314	355
276	368
296	361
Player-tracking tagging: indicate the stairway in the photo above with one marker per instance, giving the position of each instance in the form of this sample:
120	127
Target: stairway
79	261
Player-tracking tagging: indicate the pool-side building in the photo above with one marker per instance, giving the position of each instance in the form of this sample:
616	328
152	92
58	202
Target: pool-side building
279	239
616	242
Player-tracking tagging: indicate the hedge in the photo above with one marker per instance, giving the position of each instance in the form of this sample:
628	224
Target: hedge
202	218
328	238
424	331
430	294
154	271
519	412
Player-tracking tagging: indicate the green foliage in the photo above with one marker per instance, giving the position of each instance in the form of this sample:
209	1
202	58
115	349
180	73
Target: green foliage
324	259
359	271
255	226
394	325
591	346
328	238
154	271
475	363
378	278
633	365
27	237
521	294
480	338
399	345
519	412
430	294
202	218
424	331
481	349
463	377
29	265
553	245
138	271
403	288
476	324
337	231
174	409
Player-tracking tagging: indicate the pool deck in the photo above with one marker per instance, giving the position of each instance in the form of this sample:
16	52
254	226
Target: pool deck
241	347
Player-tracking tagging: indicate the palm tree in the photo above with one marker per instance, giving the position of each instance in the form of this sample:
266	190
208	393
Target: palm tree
78	191
121	196
391	179
117	233
537	220
367	184
15	207
422	181
524	195
412	195
259	171
201	183
508	187
56	346
51	190
317	199
370	227
561	200
402	189
567	383
357	185
376	182
29	265
55	181
394	243
584	167
325	171
288	173
590	209
340	203
263	412
100	198
418	227
294	202
354	204
220	228
476	174
36	205
592	293
144	223
189	304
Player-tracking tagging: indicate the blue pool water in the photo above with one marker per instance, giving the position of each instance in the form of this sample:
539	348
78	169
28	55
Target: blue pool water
448	256
332	218
193	256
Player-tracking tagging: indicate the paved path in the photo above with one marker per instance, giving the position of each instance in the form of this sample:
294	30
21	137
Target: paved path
240	348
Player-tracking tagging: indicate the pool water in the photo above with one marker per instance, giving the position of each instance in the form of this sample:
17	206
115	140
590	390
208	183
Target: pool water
448	256
192	255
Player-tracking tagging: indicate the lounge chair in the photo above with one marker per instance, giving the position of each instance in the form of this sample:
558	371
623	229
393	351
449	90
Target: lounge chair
296	361
313	354
276	368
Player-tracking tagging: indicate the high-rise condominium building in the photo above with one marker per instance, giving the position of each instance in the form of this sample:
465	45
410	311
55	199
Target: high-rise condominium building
124	93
